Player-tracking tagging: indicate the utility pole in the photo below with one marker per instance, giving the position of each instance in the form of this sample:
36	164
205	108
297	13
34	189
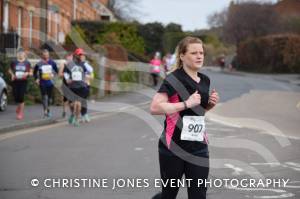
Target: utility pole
43	21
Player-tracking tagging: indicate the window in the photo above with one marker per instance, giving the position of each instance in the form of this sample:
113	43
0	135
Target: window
19	26
74	9
49	21
105	18
57	22
5	15
30	27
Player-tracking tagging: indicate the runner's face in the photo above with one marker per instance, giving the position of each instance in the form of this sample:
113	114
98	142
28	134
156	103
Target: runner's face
45	55
21	55
82	57
194	56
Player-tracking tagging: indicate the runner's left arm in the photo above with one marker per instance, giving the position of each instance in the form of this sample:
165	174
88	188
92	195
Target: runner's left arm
35	72
54	65
29	71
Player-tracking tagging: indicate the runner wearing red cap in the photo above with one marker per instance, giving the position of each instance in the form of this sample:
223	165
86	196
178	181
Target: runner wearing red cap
75	74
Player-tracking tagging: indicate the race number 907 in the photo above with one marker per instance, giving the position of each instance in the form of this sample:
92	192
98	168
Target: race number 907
197	128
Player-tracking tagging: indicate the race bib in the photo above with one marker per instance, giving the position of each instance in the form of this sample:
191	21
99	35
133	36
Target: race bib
77	76
19	74
156	69
193	128
47	72
66	76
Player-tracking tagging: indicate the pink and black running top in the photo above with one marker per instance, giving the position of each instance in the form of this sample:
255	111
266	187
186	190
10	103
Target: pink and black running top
178	85
23	67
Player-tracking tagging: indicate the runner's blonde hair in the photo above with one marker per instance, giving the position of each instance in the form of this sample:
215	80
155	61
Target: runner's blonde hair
182	48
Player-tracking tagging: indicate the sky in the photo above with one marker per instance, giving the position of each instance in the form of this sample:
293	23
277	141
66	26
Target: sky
191	14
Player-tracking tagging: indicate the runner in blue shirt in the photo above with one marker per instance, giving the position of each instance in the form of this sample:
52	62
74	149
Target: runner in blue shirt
44	72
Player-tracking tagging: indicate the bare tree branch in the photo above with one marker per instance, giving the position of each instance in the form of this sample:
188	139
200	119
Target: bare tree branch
127	10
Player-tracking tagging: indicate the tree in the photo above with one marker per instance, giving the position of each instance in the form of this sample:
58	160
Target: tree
245	19
171	40
173	27
126	10
173	34
250	19
152	34
217	19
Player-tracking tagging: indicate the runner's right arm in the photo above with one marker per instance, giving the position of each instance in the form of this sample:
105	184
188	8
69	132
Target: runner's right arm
160	104
67	75
10	71
29	71
35	73
61	70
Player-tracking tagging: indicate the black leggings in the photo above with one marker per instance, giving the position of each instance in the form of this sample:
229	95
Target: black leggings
173	167
155	78
84	102
19	90
46	92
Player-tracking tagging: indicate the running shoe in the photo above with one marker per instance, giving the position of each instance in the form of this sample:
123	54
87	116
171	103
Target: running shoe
76	123
63	114
71	119
45	115
49	114
157	196
20	115
86	118
18	110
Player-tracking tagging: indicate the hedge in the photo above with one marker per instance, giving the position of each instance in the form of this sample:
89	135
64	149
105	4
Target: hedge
270	54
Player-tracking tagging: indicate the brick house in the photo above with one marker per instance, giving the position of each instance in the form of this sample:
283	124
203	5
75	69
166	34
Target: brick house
38	21
288	8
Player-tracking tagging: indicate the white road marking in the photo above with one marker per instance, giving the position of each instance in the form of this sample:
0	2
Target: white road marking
293	186
290	165
263	126
293	164
138	149
236	170
232	136
272	164
220	129
298	105
144	136
283	193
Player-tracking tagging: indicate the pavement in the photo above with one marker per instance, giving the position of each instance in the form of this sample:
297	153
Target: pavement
287	78
34	114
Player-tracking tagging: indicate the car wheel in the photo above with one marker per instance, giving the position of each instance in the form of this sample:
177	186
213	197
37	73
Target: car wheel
3	101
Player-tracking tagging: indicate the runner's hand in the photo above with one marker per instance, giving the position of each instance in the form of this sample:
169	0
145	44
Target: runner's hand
193	100
25	75
213	98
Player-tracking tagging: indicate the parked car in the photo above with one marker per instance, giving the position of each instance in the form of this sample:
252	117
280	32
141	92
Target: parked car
3	93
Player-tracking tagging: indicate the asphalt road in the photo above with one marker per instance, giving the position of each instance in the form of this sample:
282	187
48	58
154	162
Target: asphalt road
121	146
